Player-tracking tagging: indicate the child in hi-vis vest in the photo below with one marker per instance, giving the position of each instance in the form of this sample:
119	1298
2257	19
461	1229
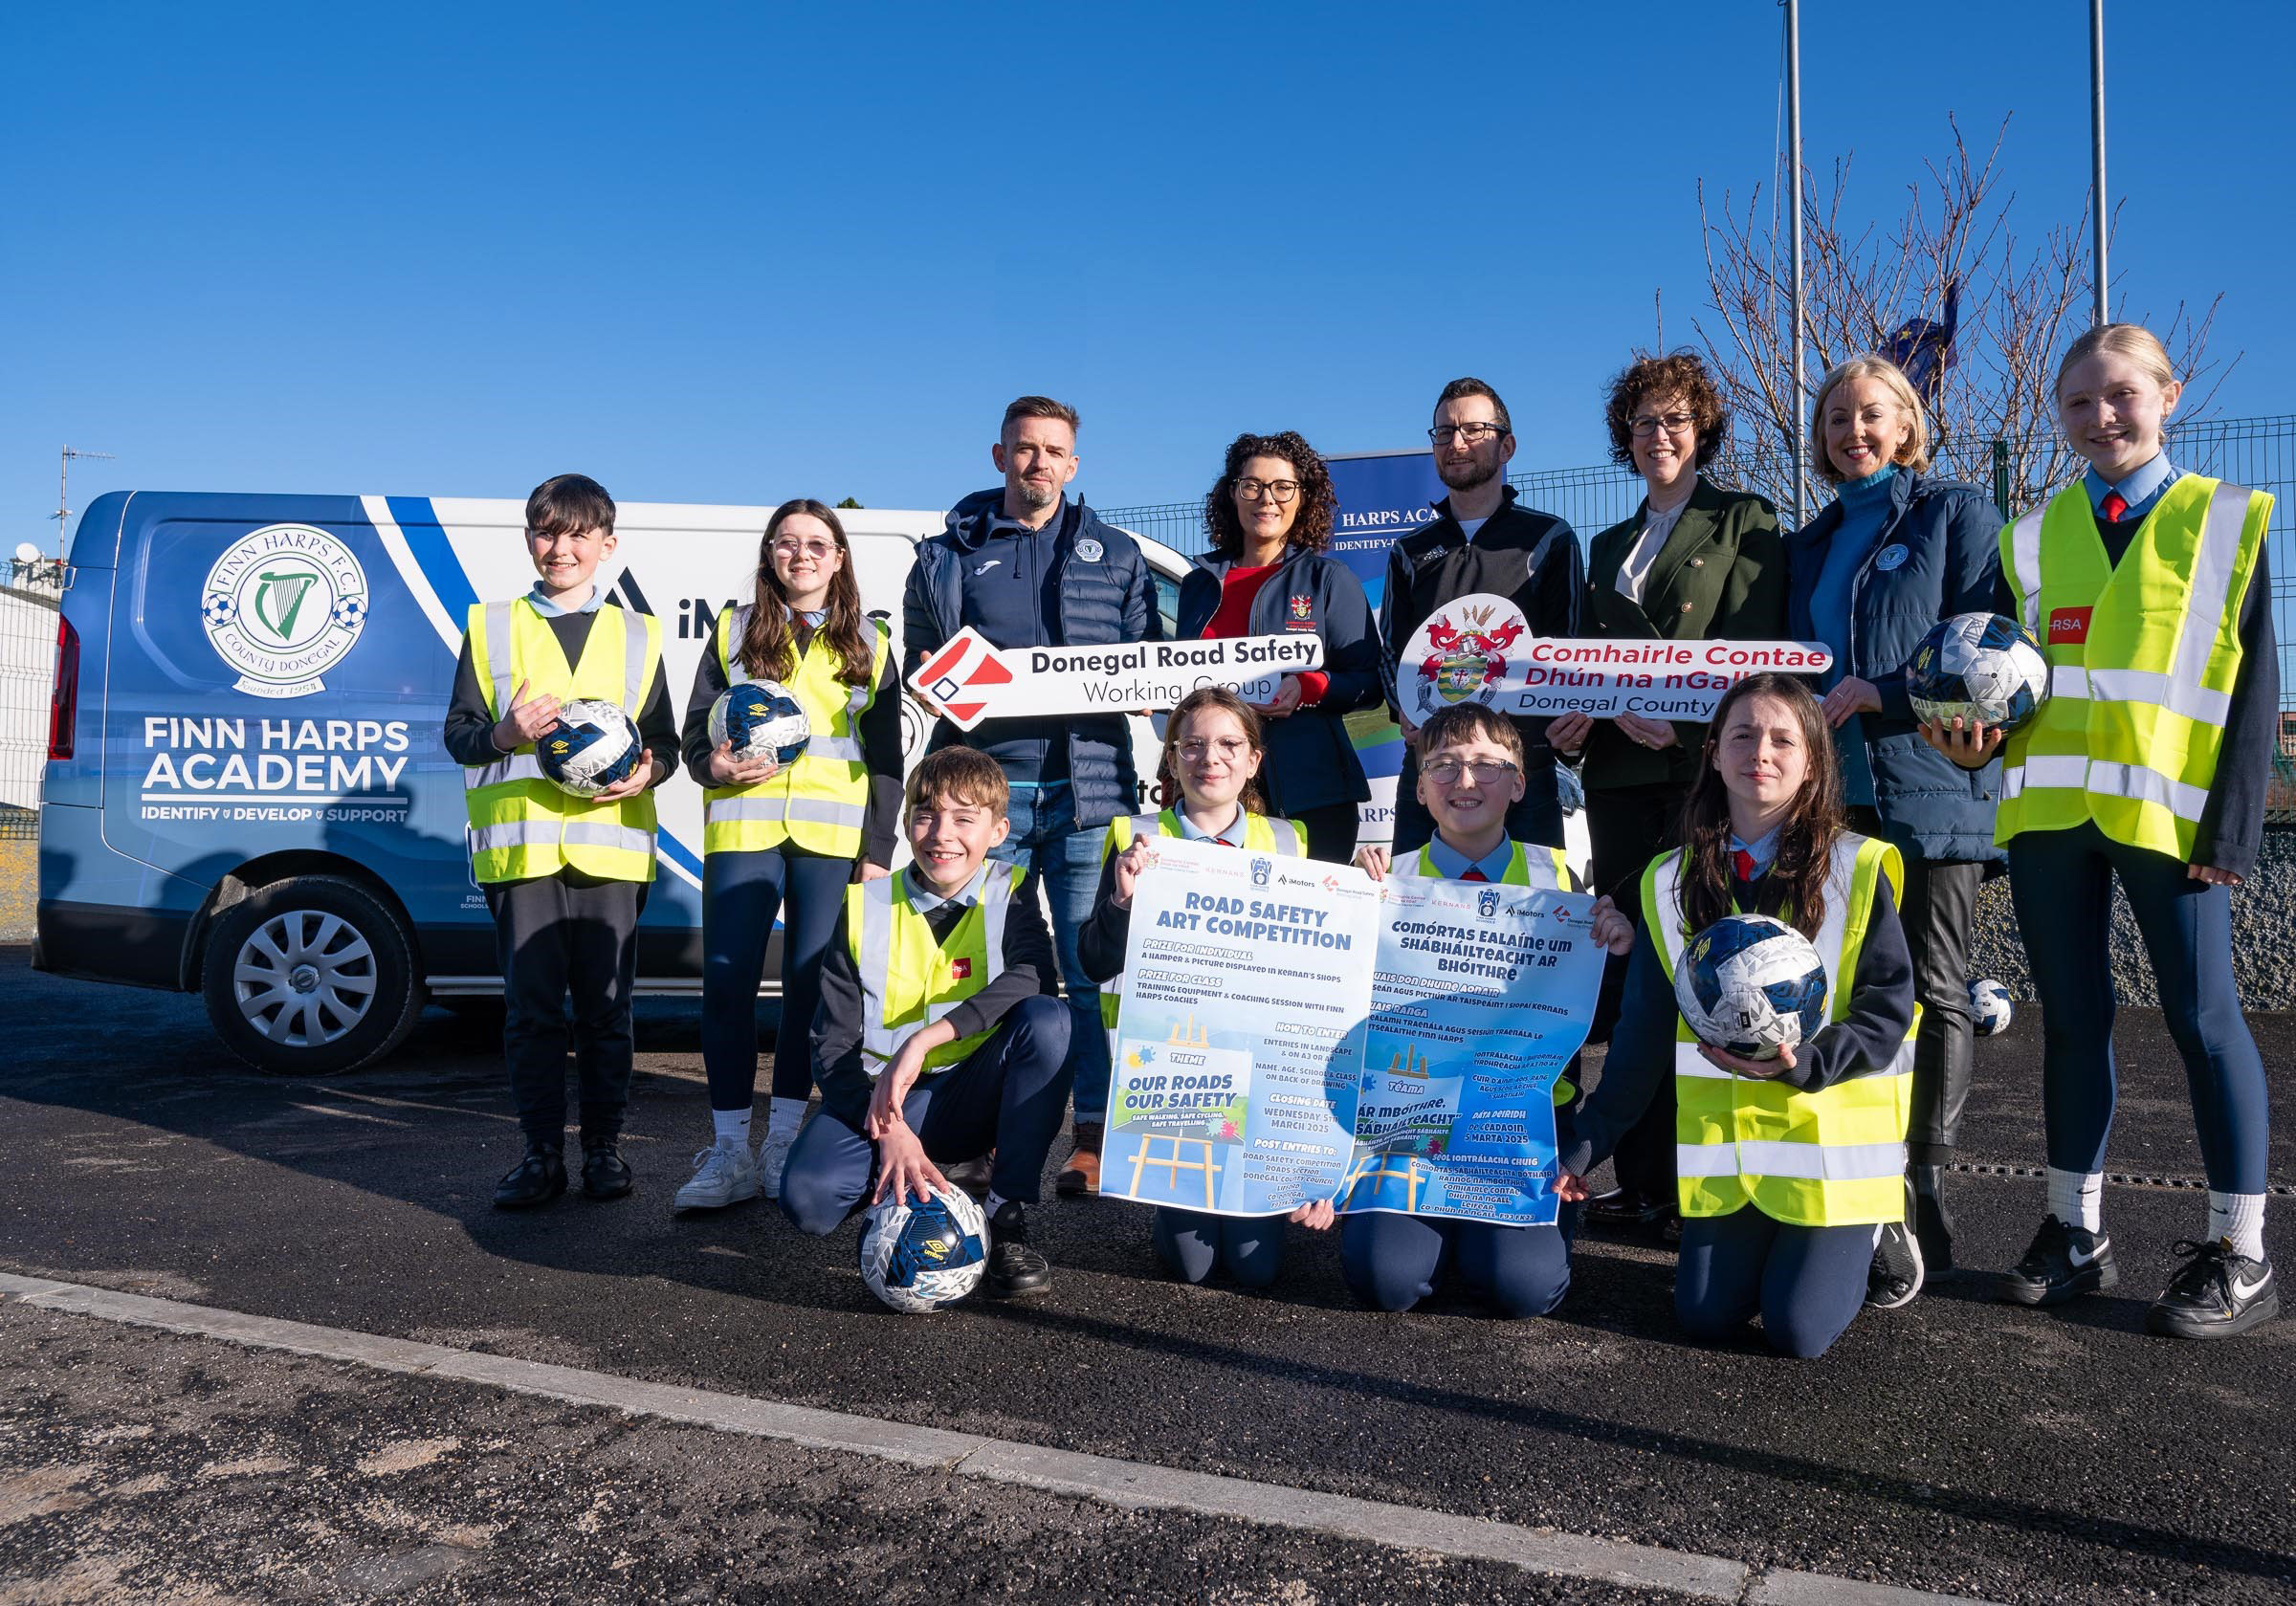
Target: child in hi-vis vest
2146	587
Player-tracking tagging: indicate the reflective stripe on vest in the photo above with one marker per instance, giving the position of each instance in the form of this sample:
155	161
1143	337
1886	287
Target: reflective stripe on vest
1262	833
520	824
2136	718
911	978
820	802
1528	865
1834	1157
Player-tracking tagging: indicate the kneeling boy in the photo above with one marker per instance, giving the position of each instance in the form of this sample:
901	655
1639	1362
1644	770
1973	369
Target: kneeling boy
938	1037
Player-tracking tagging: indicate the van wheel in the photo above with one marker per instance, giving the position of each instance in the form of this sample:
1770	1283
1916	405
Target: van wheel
310	976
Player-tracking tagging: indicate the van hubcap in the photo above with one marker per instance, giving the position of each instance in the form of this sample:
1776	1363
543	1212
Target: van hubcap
303	978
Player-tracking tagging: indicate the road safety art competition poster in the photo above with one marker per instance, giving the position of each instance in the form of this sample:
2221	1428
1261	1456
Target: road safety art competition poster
1292	1031
1239	1045
1480	997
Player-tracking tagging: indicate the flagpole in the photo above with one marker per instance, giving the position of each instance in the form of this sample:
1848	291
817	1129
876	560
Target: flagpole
1794	188
2096	154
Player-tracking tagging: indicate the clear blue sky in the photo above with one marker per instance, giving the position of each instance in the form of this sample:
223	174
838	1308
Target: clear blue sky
743	252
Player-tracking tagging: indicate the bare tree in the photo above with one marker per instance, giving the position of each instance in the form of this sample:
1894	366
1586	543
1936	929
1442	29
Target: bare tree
1954	258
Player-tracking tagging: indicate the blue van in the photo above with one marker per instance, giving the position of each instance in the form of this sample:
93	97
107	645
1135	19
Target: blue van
246	795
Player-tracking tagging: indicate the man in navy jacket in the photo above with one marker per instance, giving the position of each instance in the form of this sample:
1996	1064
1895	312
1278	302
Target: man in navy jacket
1025	567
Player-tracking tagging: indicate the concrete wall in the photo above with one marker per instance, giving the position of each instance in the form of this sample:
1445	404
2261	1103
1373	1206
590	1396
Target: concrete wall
2264	936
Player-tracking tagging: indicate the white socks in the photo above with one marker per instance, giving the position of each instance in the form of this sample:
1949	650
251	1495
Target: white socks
783	1116
2077	1198
2240	1218
733	1125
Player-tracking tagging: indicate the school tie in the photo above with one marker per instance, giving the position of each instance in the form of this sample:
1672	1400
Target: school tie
1742	862
1474	874
2114	507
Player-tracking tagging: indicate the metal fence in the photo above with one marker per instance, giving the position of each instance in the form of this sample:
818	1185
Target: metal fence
27	616
2257	453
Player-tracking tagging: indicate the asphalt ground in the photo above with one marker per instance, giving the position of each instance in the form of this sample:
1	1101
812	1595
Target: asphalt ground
1957	1445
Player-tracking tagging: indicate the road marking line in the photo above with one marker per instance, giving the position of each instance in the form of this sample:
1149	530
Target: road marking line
1132	1486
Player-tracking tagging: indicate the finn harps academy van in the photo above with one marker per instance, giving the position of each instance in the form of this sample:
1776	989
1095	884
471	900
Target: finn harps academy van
246	794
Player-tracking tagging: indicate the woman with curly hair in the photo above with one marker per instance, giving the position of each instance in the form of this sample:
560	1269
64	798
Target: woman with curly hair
1693	564
1269	516
1899	549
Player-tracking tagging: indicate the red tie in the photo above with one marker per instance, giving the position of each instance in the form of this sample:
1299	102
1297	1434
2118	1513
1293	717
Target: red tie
2114	507
1473	874
1742	862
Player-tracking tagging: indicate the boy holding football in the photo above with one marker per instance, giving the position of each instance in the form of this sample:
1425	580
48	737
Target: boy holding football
564	876
939	1037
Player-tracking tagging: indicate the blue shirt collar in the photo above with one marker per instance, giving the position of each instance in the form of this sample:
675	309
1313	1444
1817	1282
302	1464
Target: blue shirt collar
2140	490
1763	849
1452	865
1231	833
925	900
549	610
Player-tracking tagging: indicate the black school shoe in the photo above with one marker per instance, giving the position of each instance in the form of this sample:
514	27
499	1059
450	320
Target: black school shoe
536	1179
1625	1210
1015	1269
2218	1292
2063	1263
605	1173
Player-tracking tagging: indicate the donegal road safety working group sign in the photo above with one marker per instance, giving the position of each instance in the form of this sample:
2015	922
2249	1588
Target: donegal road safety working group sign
970	680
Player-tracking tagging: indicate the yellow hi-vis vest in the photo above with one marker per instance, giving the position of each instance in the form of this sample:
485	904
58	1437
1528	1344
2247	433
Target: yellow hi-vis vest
1262	833
911	978
2136	709
523	826
1832	1158
819	801
1528	864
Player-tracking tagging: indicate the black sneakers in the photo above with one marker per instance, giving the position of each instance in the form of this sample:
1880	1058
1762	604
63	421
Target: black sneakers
536	1179
2216	1293
1897	1270
1014	1268
2063	1264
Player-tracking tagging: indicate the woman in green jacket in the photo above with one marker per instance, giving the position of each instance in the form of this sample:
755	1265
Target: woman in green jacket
1695	563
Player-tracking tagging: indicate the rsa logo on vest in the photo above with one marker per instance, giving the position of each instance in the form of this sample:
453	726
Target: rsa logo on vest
2068	626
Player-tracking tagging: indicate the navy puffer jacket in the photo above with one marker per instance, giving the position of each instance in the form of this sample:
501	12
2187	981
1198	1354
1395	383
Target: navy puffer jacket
1938	554
1106	598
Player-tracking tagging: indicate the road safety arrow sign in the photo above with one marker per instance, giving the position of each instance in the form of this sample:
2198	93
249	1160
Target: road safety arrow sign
970	680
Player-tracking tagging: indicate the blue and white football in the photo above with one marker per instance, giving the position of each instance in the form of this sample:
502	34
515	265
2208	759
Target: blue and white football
763	721
1979	666
1989	1008
1750	985
594	745
921	1257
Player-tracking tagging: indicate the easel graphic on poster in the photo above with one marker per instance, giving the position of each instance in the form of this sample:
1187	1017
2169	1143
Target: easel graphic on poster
1185	1034
1414	1172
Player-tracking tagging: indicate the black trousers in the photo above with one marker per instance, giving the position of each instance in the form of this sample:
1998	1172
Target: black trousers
1939	907
1331	829
1627	828
568	934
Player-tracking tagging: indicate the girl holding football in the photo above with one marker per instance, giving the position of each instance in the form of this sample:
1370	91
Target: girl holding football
785	840
2147	586
1787	1168
1213	748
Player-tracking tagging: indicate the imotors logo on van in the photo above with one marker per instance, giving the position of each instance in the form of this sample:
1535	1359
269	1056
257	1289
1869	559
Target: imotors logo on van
282	604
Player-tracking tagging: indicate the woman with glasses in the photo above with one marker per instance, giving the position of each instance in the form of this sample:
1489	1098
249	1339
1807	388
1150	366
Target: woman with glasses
785	840
1899	549
1269	516
1695	563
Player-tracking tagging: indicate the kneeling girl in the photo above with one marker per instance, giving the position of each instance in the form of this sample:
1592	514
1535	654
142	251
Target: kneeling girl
1213	746
1788	1168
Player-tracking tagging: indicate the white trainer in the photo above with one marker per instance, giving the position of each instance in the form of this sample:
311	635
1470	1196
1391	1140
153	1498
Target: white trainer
773	1154
723	1174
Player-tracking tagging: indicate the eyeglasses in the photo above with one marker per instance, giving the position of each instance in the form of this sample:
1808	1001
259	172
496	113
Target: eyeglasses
1649	424
1443	434
1488	772
818	551
1229	748
1273	489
